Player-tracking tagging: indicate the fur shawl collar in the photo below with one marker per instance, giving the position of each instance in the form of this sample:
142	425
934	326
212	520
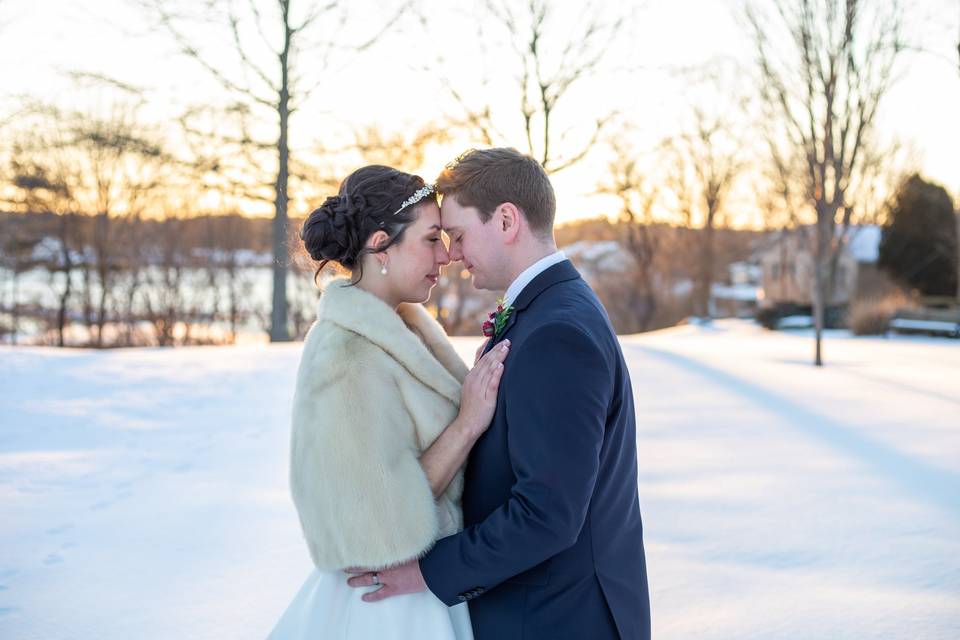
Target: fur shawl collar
374	389
431	359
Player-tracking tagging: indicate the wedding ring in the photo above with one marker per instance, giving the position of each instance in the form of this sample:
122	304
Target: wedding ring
376	579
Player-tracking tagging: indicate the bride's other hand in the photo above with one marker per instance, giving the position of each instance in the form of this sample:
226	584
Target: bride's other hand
478	398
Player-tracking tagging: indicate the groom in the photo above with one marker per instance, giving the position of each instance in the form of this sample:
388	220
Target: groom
553	543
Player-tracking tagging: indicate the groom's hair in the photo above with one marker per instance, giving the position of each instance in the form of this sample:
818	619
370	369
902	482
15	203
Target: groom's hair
486	178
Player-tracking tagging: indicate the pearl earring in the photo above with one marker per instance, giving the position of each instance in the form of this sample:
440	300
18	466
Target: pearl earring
383	269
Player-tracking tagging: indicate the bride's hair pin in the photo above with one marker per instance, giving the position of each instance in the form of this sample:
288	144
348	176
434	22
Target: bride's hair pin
417	196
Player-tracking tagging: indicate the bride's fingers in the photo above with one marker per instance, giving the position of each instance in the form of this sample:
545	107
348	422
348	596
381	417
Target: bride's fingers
379	594
497	354
490	381
365	580
489	363
493	383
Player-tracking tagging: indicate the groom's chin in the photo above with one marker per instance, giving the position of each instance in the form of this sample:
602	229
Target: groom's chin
478	282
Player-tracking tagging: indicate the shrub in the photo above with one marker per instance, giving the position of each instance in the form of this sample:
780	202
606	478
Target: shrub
871	316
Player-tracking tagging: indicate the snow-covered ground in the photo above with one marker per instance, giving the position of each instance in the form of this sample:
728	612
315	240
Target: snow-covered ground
143	493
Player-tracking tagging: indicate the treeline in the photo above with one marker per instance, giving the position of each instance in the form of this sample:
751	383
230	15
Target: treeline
77	280
102	281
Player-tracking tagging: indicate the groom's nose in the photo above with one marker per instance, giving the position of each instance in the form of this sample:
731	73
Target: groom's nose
443	255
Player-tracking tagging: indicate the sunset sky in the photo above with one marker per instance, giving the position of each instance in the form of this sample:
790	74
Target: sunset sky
396	83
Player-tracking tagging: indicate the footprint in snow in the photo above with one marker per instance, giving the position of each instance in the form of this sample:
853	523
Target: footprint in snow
52	559
63	528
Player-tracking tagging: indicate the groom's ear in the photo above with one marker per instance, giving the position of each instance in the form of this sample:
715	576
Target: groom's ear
510	219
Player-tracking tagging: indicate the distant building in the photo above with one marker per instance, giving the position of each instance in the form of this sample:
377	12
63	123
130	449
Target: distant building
785	260
740	296
596	259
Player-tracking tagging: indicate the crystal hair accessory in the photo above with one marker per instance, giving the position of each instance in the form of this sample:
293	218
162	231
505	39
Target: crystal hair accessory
417	196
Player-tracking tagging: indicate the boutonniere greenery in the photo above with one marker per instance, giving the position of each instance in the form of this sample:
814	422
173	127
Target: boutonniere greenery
497	320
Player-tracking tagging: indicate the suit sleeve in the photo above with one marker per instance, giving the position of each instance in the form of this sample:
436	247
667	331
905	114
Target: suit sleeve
557	392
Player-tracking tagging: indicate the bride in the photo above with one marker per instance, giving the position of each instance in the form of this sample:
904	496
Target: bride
384	413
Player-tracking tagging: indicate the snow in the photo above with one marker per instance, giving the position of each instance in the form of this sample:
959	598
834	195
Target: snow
143	493
864	243
795	322
599	257
738	292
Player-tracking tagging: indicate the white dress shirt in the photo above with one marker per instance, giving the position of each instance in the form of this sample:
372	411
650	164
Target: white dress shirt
531	272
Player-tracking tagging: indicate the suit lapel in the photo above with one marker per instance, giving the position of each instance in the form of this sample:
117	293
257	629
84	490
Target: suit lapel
560	272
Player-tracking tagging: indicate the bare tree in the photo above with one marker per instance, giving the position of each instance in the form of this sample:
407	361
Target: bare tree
164	299
637	196
100	164
269	42
402	150
825	66
40	185
226	270
123	170
40	192
549	66
706	163
17	245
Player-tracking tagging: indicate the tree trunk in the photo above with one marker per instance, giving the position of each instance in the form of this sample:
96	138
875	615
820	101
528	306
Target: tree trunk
14	308
279	331
68	285
102	307
62	311
958	247
88	299
706	269
101	231
819	283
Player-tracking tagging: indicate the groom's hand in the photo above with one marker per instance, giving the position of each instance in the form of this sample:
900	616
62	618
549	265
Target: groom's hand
395	581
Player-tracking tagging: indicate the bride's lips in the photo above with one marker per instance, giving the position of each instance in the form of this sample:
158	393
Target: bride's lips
433	279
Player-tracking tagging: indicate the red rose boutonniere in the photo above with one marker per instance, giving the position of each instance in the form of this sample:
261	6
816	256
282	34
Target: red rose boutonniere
497	319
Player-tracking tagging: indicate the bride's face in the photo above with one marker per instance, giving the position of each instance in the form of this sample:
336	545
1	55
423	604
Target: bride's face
415	262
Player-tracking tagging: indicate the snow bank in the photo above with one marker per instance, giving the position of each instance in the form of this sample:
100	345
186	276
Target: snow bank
143	493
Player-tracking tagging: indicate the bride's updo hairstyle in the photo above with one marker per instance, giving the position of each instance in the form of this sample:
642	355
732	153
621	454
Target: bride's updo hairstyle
367	202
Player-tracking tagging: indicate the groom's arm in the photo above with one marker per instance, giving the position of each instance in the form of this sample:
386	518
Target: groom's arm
557	397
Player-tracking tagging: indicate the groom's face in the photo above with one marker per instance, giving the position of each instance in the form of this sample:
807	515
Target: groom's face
474	243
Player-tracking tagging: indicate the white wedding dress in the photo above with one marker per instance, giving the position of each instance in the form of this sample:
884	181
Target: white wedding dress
327	608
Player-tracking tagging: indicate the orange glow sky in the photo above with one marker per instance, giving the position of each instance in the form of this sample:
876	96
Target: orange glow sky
387	86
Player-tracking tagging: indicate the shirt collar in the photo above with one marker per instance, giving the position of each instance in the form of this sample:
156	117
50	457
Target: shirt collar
531	272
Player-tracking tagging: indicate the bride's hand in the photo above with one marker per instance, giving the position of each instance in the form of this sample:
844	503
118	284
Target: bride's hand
478	398
479	354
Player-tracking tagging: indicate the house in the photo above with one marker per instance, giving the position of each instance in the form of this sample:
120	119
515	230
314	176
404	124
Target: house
740	296
785	259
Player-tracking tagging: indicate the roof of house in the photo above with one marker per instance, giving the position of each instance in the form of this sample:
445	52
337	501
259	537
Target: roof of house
864	242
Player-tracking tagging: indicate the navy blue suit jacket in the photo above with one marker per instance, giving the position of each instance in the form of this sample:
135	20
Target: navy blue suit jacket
552	545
